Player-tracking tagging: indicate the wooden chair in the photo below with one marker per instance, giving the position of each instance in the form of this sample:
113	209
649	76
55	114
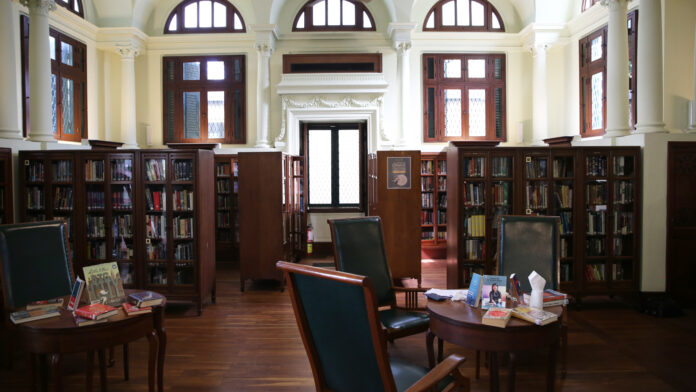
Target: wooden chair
358	246
339	322
532	243
35	265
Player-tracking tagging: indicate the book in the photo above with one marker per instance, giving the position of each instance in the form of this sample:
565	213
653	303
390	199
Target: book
536	316
473	296
104	283
132	310
83	322
96	311
515	289
76	294
497	317
48	303
493	291
551	298
143	299
24	316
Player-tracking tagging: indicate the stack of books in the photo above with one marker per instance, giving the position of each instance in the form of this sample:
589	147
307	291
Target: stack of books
551	298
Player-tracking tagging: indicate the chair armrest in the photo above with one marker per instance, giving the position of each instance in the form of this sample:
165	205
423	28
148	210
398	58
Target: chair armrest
411	296
448	367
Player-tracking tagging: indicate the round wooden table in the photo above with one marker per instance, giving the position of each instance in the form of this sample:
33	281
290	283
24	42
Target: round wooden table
60	335
458	323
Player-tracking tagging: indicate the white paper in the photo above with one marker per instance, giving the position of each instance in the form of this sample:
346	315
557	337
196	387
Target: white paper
456	295
536	300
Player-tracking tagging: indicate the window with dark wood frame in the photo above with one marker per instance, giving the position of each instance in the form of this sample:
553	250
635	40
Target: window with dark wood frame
463	97
593	73
586	4
333	15
74	6
68	84
331	144
463	15
204	16
332	62
204	99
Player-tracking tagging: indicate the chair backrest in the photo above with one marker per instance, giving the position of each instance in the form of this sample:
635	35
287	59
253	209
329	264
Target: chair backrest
340	328
529	243
358	246
34	262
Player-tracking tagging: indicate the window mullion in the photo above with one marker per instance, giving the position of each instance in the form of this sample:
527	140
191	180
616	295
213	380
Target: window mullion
334	168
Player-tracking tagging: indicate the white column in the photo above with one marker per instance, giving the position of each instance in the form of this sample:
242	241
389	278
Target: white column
128	104
263	95
650	105
403	48
106	88
9	96
617	69
40	70
540	106
692	104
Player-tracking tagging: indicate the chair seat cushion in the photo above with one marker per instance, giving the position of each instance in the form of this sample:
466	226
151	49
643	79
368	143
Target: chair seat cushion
403	319
406	374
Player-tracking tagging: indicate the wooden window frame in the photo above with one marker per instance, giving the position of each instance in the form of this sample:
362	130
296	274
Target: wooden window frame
178	86
373	59
71	7
77	73
587	4
589	68
335	206
359	9
439	83
488	10
178	11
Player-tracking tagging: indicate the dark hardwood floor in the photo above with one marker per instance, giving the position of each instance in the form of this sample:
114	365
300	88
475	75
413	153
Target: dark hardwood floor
250	342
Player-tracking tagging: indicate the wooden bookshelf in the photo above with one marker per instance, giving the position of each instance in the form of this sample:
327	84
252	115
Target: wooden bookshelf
433	170
6	205
399	208
298	206
226	207
594	190
161	239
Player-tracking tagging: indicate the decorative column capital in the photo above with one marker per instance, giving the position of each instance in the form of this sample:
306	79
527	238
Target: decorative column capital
264	49
615	5
128	51
40	6
538	49
402	47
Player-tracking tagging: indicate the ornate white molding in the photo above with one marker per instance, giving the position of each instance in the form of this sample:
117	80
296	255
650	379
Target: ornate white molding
264	49
615	5
128	51
333	83
40	6
402	47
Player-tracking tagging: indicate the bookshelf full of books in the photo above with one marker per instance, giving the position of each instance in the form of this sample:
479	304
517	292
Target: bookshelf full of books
433	205
595	191
298	208
226	207
6	206
149	211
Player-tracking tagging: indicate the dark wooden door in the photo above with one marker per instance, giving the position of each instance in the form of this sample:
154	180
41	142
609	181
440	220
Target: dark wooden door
681	221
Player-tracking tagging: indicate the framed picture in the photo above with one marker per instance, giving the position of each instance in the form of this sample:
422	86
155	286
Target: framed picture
398	172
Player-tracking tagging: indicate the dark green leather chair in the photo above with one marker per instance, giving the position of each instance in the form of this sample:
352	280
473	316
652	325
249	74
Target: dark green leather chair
359	249
337	316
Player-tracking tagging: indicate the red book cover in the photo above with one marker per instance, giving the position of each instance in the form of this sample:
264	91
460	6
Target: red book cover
132	310
96	311
156	196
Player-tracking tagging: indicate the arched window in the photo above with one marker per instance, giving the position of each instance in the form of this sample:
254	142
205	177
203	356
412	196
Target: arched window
73	5
204	16
334	15
463	15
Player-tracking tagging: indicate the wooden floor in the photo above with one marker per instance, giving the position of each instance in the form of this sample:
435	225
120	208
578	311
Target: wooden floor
250	342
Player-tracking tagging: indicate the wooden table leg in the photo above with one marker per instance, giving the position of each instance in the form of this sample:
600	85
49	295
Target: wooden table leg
429	338
478	364
440	350
89	370
551	374
162	345
125	362
31	369
493	371
151	360
56	371
511	372
43	372
102	369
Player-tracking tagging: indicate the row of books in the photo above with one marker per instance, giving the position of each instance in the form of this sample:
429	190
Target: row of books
594	272
156	169
562	167
442	200
427	235
474	167
35	171
596	222
596	194
426	217
501	193
623	192
566	272
564	195
63	199
426	167
122	226
501	166
535	168
536	194
122	200
623	166
623	222
155	226
183	227
121	169
566	246
155	200
441	235
183	200
184	251
94	170
596	166
474	249
622	248
223	202
475	226
223	186
427	184
426	200
156	251
566	222
442	184
223	219
595	247
122	250
183	170
35	198
96	250
441	217
62	171
95	200
474	193
183	273
95	226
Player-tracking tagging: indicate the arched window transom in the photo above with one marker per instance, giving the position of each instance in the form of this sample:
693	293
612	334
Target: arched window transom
334	15
463	15
204	16
73	5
